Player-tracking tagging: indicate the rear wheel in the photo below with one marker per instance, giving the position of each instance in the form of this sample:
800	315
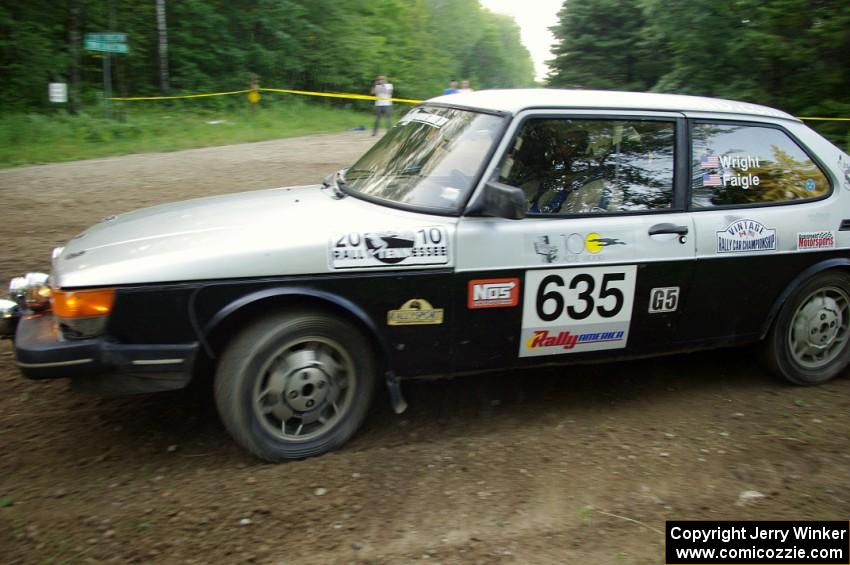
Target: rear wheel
294	385
810	340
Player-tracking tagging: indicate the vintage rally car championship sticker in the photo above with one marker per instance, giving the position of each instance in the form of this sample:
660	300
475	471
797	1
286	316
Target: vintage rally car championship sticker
389	248
815	240
492	293
576	310
743	236
415	312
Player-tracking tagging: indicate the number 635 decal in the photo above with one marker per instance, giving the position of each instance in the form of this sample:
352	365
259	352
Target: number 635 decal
563	297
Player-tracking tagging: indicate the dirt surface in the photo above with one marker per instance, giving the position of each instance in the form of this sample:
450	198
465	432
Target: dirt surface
579	464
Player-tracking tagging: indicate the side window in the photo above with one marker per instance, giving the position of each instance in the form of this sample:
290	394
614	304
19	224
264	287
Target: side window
743	164
590	166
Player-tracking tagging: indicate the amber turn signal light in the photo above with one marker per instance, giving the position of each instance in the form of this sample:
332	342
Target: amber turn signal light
83	303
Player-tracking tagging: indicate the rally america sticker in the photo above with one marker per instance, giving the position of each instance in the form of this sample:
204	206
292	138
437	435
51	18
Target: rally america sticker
388	248
576	310
807	241
743	236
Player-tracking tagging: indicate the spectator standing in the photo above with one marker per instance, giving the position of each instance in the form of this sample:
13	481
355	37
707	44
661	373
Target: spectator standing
383	92
452	88
464	86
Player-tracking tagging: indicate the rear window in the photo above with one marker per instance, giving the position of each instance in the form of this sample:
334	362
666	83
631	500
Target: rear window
745	164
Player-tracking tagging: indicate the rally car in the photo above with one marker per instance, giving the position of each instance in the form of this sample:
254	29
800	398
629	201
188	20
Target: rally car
486	230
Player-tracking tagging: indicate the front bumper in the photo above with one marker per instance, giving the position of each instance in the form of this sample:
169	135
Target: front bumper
98	365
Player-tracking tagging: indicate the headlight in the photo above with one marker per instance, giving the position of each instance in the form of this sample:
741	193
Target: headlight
31	291
82	313
9	312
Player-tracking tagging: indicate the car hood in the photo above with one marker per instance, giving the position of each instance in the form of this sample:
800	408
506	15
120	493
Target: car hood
282	231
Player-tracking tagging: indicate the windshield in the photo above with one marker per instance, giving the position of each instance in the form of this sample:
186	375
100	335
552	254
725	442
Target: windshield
429	159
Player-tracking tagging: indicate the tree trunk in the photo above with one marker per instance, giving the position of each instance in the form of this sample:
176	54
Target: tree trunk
74	47
163	46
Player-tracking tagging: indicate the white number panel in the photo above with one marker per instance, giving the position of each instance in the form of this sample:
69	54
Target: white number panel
576	310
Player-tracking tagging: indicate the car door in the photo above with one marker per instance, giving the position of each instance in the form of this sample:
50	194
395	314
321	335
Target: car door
764	212
600	266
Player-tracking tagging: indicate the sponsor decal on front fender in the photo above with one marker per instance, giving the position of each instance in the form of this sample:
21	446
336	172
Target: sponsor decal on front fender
421	246
415	312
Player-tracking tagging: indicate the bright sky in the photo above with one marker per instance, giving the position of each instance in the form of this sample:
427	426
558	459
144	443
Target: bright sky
534	18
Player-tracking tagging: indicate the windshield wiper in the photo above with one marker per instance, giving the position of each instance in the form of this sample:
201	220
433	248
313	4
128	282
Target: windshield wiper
336	182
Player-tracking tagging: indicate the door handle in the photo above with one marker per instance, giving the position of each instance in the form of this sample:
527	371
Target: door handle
658	229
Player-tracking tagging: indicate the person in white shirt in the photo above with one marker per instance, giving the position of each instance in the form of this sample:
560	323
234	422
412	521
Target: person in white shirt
383	92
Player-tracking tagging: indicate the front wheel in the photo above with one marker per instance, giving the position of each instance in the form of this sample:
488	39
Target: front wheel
295	385
810	341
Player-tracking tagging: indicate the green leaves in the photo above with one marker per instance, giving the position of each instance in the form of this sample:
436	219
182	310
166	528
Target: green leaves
216	45
789	54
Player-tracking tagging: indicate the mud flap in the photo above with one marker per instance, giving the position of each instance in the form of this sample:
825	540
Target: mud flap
399	405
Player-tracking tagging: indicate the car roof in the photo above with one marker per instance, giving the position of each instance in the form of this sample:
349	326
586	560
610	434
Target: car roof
516	100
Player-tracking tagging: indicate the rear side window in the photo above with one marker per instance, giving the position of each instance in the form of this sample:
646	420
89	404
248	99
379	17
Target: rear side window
592	166
744	164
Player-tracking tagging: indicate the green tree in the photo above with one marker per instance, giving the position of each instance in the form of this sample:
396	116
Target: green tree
604	44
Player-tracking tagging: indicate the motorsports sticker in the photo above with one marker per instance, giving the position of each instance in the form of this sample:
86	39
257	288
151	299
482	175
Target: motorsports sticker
576	310
743	236
422	246
815	240
415	312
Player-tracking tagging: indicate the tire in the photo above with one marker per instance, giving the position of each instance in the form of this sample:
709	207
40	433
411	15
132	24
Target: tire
809	342
295	385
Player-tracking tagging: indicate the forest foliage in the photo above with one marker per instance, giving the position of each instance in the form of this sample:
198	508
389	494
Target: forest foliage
788	54
325	45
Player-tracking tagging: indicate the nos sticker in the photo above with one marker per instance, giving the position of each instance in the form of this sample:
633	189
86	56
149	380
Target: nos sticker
492	293
576	310
423	246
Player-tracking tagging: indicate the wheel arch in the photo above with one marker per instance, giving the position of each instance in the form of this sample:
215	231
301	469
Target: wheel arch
839	263
215	332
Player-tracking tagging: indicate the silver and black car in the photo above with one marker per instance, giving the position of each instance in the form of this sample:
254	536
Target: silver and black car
487	230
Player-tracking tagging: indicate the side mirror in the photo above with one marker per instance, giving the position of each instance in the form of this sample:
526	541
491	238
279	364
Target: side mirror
500	201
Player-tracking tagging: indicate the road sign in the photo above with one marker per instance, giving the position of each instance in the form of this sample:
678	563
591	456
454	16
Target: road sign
108	37
106	47
106	42
58	92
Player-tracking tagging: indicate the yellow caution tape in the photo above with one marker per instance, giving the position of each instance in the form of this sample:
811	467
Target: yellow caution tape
183	96
281	90
340	95
825	119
